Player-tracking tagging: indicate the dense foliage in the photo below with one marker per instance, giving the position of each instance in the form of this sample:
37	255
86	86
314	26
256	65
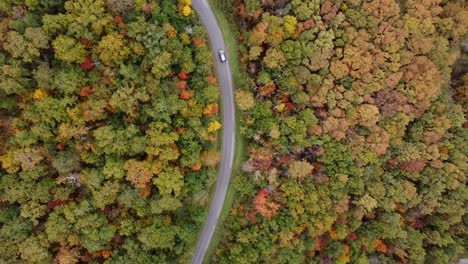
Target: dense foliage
108	121
357	149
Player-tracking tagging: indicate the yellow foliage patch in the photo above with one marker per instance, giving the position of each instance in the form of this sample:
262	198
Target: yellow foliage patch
186	2
186	10
214	126
39	94
281	107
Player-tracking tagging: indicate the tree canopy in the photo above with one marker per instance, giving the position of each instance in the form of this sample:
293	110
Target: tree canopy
105	156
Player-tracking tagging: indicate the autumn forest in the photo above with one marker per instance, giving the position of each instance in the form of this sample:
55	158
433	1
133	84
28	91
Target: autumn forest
356	133
352	115
108	118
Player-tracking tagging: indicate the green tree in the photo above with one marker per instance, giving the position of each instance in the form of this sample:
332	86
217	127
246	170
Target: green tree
129	140
169	181
68	49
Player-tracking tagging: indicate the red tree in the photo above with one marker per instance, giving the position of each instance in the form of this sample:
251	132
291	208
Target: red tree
87	64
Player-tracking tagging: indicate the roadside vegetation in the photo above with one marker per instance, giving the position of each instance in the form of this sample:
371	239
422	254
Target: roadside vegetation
356	132
108	121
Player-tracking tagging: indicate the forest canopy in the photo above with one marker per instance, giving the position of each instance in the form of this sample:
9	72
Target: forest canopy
356	133
108	149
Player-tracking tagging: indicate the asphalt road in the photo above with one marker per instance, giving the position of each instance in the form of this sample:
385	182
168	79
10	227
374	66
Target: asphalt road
229	127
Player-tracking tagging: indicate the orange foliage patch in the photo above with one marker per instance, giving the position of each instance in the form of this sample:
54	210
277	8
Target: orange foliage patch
104	254
444	150
265	208
257	13
267	90
242	11
146	191
319	244
85	91
182	84
184	94
119	21
86	115
110	108
196	167
380	246
198	42
333	234
210	109
399	208
212	80
171	32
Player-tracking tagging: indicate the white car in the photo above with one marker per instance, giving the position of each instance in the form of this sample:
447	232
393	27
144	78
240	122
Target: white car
222	56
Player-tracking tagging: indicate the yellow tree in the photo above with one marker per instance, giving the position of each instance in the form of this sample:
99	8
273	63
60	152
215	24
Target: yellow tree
214	126
113	49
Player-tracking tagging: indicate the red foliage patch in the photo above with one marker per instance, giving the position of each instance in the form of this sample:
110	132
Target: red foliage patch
87	64
351	236
88	44
55	203
417	224
289	106
147	8
250	216
283	159
183	75
119	21
263	192
317	167
106	209
60	146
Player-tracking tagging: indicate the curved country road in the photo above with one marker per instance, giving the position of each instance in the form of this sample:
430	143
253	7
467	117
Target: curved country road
203	10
